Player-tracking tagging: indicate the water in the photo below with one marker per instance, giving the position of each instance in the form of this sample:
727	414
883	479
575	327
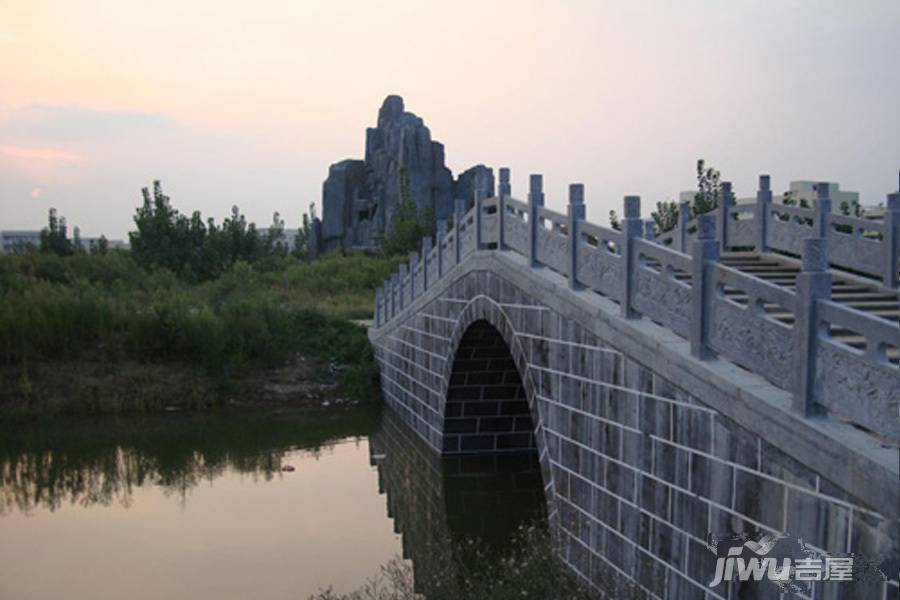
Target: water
201	506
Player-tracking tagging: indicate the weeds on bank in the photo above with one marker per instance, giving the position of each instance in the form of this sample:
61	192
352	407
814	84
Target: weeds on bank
107	308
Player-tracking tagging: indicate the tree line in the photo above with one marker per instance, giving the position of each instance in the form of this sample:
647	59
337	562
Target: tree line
191	247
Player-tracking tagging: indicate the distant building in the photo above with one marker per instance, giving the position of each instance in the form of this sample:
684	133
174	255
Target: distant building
16	241
87	243
290	236
801	190
806	190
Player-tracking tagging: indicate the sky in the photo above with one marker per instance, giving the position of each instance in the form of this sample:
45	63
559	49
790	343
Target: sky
236	103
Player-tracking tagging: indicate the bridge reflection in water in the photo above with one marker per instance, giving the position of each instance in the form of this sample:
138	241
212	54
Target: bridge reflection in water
438	502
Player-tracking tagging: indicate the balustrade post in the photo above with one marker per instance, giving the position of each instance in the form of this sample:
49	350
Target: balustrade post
632	228
504	190
413	264
726	202
426	257
763	206
457	222
680	242
576	212
479	219
535	202
441	238
822	206
649	230
813	284
395	292
379	297
705	250
891	240
402	276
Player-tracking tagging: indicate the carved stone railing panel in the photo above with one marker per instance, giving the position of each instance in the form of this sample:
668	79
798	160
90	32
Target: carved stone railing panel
666	238
658	294
742	226
860	385
743	333
553	245
446	249
599	261
788	235
861	249
515	233
490	229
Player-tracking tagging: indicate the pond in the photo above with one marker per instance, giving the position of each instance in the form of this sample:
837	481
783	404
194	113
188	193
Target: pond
237	505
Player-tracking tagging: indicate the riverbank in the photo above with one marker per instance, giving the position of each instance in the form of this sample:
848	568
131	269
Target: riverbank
99	334
92	387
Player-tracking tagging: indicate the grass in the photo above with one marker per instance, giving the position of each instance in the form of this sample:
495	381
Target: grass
105	309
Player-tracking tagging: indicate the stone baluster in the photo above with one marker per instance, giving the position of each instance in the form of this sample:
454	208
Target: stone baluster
705	250
649	230
632	228
763	206
822	206
479	219
396	290
726	203
426	258
441	238
413	264
813	284
680	242
504	190
457	222
576	212
535	202
891	240
379	297
403	269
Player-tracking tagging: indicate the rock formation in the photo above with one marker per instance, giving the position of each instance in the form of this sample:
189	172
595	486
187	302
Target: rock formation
360	197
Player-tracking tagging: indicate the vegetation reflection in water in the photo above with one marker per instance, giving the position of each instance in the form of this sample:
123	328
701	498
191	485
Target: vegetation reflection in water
471	528
90	461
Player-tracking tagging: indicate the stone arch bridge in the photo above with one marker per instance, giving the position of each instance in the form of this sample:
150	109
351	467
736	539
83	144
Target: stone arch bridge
737	375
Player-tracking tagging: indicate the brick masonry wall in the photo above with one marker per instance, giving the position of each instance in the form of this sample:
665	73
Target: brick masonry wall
486	406
637	472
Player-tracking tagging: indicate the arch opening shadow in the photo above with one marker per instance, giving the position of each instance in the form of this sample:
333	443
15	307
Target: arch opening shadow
486	410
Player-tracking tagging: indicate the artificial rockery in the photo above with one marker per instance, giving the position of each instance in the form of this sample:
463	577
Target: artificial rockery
360	198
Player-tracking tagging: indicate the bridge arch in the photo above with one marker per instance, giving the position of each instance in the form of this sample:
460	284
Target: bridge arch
644	451
484	344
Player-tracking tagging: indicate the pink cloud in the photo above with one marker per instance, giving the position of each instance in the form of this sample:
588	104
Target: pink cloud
47	154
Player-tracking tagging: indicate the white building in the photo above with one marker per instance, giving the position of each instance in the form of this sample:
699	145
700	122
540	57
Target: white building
290	236
800	190
12	241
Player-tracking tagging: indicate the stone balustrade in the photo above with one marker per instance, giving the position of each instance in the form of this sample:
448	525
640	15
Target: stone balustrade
868	247
678	281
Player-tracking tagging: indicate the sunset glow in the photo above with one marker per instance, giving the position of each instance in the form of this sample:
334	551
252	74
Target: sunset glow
232	104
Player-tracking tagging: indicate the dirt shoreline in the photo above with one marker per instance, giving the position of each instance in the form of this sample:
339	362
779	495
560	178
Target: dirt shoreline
96	387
